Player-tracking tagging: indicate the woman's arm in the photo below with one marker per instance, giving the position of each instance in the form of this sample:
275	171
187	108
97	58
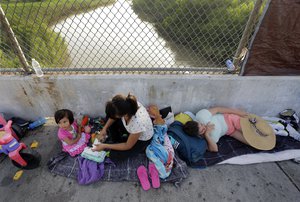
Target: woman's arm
212	146
103	131
226	110
108	123
131	141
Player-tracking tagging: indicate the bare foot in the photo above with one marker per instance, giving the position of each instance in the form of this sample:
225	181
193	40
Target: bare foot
153	111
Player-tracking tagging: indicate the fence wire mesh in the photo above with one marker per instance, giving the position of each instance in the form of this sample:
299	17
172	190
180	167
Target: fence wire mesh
124	35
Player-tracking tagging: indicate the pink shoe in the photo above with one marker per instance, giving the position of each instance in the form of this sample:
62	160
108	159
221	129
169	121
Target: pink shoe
153	173
143	177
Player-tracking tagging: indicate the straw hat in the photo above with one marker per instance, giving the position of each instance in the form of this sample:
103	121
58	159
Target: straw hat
258	133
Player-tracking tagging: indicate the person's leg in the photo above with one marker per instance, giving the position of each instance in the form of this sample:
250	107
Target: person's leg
238	135
234	127
139	147
233	123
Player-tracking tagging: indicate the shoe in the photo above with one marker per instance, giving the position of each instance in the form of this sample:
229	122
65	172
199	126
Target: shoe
292	132
143	177
154	176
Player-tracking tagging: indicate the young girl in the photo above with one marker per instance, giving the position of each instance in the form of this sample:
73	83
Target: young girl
73	140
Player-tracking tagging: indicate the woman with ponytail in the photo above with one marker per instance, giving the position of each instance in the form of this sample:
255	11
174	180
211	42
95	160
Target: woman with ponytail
126	116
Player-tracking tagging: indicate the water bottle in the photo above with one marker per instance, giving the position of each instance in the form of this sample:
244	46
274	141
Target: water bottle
37	68
230	65
40	121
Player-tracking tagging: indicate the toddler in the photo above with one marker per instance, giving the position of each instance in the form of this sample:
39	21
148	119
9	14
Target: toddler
73	140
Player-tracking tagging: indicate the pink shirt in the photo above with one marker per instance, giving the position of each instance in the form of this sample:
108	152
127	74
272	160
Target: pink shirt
76	148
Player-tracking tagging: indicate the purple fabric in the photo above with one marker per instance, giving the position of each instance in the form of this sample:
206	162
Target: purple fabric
89	171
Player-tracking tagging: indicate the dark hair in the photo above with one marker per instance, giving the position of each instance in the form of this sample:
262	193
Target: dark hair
191	128
121	106
62	113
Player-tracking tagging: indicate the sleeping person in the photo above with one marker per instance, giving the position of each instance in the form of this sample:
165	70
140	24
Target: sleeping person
216	122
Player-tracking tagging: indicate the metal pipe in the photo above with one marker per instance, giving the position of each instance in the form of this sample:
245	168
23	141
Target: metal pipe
14	41
247	31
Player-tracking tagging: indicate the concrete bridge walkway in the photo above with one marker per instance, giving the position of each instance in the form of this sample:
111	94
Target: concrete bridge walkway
279	181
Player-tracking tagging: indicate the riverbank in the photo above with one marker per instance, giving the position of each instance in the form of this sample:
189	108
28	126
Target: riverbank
32	23
212	28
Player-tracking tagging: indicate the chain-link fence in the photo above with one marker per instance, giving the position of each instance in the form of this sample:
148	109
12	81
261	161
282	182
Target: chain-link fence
123	35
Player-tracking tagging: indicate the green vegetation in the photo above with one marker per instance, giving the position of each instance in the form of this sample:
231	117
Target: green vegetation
31	22
212	27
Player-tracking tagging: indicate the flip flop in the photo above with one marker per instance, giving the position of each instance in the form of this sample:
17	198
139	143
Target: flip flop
143	177
153	172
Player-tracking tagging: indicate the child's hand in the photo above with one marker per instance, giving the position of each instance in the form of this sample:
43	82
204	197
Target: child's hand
87	129
102	135
209	127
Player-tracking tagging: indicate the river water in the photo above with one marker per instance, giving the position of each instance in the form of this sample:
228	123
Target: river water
114	36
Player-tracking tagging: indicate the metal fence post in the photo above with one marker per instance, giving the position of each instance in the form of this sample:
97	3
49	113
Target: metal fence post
14	41
247	31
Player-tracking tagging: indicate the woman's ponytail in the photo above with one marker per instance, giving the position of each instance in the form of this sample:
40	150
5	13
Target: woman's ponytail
131	99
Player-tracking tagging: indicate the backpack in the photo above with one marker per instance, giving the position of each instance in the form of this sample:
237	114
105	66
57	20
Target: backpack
190	149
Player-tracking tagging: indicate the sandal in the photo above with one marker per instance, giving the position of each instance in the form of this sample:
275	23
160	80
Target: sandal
143	177
153	173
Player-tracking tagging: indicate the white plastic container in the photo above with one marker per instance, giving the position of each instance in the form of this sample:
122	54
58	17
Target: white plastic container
40	121
37	68
230	65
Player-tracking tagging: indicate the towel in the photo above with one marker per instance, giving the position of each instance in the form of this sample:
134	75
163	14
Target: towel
93	155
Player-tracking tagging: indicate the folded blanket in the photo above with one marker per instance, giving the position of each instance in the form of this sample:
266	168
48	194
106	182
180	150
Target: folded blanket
229	148
93	155
264	157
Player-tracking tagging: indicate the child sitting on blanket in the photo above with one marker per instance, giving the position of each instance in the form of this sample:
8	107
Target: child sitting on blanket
216	122
73	140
